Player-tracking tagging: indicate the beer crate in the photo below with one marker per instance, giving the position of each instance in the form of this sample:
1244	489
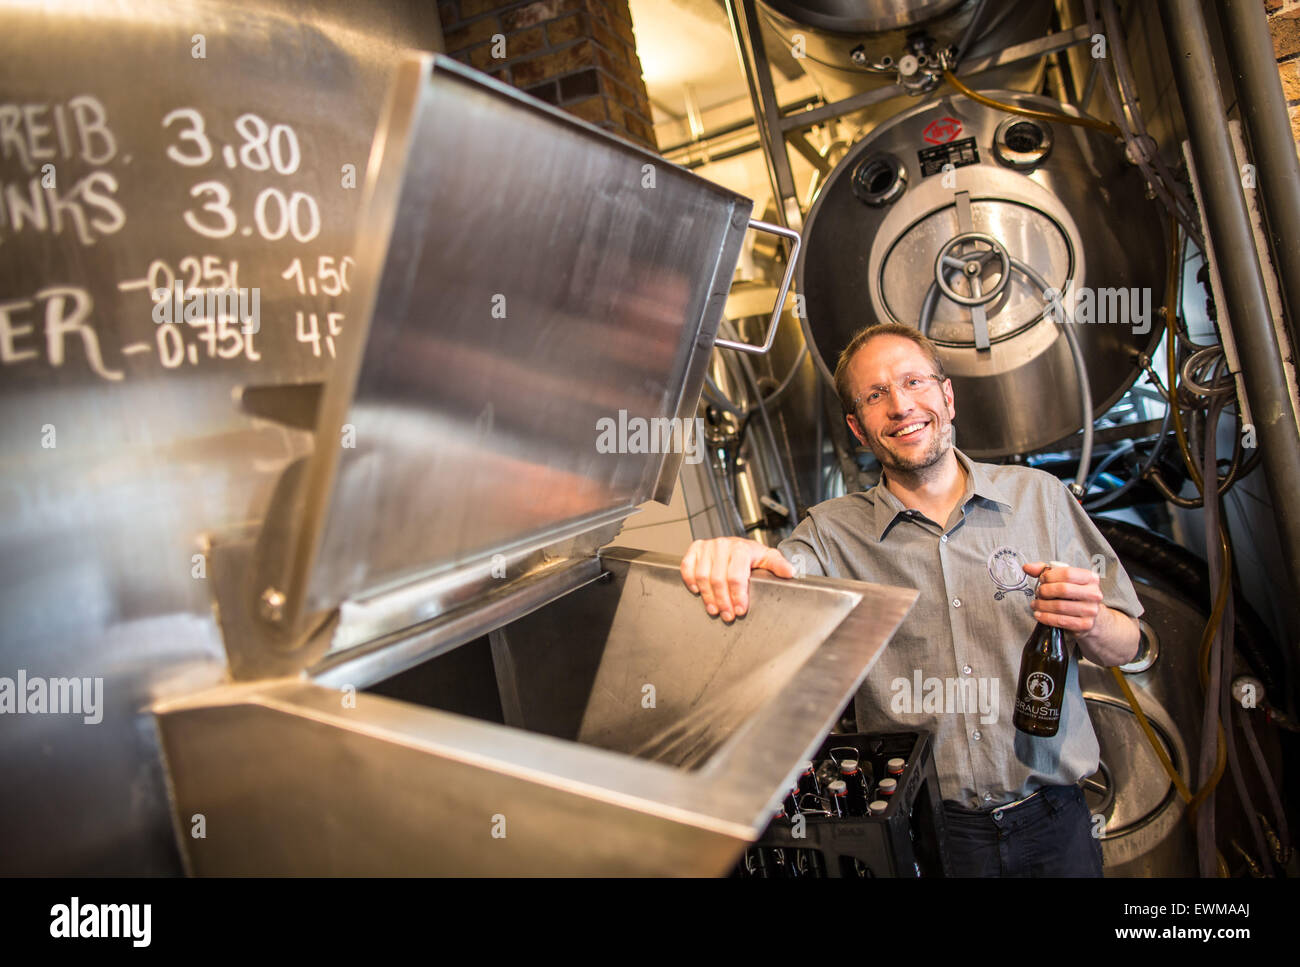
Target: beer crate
906	840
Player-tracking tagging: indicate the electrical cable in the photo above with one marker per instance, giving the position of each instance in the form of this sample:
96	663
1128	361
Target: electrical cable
1221	650
1108	498
1270	787
1125	448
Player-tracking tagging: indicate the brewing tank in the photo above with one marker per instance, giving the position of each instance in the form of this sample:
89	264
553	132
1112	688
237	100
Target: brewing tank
1008	202
855	46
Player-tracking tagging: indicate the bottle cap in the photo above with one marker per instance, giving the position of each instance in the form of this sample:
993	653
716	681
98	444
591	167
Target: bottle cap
839	788
877	807
887	787
895	766
848	767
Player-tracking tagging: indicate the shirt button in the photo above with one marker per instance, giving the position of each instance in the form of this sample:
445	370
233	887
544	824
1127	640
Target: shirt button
966	669
943	539
997	814
975	735
956	602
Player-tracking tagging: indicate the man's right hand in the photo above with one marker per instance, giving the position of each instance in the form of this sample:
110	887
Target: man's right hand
718	571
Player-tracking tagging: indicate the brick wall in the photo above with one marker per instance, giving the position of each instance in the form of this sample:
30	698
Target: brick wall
1284	25
577	54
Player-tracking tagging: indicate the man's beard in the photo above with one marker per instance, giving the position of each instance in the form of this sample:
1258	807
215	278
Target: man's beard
922	465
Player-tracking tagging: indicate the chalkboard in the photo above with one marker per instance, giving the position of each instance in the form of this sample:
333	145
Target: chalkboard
215	151
175	202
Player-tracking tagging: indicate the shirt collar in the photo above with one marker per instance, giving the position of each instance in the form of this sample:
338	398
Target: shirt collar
889	509
981	483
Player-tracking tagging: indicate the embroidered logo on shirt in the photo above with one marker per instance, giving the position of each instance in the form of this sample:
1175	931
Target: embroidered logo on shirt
1007	572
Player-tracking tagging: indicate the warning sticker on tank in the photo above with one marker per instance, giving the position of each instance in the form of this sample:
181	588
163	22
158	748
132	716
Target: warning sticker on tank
955	153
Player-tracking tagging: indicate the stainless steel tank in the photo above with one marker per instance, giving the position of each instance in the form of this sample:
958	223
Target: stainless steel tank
853	46
986	189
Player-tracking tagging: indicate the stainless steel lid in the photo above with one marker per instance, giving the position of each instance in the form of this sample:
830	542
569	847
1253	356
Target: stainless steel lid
536	304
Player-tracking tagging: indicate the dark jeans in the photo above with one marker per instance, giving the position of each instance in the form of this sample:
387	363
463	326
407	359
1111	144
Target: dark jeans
1050	835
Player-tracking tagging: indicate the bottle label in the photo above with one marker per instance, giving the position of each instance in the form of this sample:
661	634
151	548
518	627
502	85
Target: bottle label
1037	710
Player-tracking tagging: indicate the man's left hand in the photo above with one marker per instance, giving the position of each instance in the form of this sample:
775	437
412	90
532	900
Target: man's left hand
1068	597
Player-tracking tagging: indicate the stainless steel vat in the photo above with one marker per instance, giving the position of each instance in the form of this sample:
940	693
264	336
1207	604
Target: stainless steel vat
560	707
617	730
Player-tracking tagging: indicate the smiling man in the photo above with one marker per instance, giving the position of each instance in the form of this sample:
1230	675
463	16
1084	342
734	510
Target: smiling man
969	536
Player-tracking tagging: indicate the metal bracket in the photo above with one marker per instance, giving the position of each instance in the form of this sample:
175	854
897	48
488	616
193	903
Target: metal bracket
786	278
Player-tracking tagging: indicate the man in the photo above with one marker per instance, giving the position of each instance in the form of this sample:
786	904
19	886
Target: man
969	536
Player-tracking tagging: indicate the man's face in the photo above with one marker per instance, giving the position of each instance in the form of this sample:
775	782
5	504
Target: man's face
906	430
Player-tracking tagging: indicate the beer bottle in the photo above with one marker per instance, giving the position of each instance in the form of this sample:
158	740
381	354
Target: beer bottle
810	863
1043	666
808	781
895	766
791	803
878	807
856	789
839	798
758	863
887	787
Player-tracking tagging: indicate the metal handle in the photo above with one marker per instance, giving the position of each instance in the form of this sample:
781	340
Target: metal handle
793	236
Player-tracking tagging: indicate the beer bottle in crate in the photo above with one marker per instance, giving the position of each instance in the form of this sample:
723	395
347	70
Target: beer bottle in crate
839	798
808	781
855	787
1044	663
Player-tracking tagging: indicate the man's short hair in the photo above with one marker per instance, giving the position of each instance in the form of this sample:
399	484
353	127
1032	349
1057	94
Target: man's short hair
865	335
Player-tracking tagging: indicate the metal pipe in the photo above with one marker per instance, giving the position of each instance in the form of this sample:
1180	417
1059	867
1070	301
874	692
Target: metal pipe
748	37
1263	109
1228	223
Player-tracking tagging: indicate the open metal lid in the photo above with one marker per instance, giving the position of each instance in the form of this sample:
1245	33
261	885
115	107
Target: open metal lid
536	302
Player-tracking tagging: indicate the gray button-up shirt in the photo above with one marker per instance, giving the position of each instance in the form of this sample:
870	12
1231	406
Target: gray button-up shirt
954	664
